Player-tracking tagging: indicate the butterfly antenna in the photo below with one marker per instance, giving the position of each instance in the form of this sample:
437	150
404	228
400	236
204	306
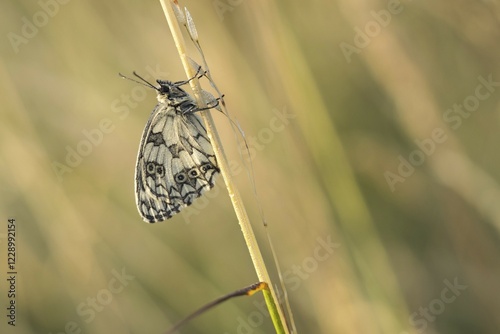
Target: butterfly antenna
143	81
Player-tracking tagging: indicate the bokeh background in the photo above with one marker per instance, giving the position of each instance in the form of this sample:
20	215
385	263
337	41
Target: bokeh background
374	137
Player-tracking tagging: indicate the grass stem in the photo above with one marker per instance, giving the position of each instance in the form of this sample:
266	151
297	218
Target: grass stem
246	228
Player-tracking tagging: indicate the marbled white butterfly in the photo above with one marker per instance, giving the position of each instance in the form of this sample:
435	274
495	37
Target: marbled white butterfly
176	162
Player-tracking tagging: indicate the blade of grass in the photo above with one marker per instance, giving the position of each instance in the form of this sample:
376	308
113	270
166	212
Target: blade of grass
270	296
247	291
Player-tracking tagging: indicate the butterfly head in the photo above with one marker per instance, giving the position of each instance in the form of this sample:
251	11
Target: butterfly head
170	90
171	93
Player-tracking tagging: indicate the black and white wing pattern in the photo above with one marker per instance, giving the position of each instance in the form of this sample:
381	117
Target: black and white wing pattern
176	162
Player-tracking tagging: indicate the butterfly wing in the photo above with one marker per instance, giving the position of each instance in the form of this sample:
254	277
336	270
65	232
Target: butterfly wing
175	165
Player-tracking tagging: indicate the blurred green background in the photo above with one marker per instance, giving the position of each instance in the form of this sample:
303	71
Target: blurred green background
373	128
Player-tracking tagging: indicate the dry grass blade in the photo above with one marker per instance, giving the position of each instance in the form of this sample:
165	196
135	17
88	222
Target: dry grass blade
270	295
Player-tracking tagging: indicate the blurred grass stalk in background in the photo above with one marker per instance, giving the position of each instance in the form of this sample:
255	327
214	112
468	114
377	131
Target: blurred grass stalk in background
327	152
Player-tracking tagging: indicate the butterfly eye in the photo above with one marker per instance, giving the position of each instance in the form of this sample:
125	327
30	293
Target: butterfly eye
180	178
150	167
194	173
